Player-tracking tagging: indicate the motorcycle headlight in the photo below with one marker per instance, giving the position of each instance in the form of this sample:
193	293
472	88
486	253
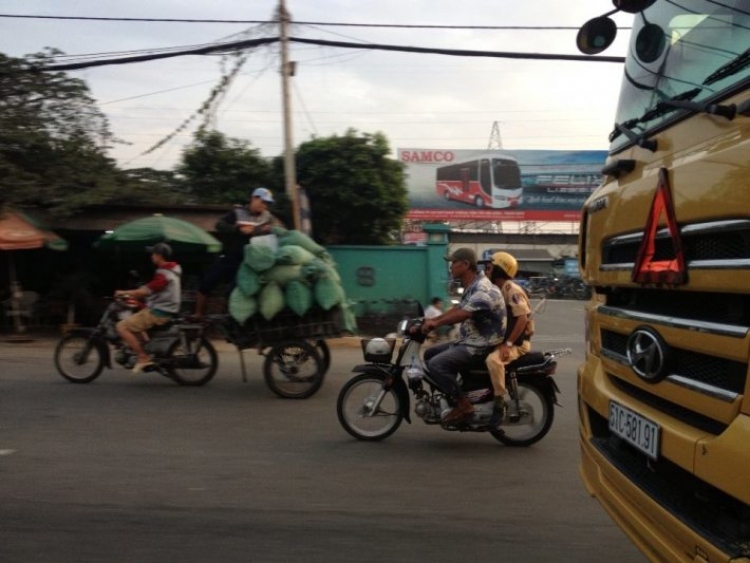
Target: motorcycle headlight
401	329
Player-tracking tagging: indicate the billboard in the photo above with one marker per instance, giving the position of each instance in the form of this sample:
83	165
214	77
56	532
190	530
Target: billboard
500	185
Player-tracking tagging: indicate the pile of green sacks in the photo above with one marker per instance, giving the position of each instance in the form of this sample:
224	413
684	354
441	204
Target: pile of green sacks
299	276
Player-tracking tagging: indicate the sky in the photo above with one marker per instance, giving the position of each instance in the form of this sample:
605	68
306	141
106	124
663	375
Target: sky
416	100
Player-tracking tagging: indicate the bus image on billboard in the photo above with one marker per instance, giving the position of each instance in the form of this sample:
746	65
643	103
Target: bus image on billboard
487	181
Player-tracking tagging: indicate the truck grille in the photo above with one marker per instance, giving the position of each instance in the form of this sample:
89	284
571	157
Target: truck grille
718	244
727	375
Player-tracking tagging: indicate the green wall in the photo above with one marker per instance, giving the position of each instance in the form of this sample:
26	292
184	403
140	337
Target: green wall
373	273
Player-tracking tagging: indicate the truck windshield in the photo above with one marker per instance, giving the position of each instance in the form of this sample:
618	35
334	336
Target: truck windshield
694	51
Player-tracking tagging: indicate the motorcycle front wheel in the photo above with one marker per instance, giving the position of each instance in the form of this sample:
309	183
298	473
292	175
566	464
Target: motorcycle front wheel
529	420
358	413
294	370
78	359
195	366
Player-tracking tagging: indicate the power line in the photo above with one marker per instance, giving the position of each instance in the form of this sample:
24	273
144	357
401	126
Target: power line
246	44
329	24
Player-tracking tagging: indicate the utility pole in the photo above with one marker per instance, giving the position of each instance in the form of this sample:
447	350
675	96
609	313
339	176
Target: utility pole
290	174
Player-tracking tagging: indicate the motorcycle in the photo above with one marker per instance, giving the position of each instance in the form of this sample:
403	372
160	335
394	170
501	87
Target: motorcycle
179	349
372	405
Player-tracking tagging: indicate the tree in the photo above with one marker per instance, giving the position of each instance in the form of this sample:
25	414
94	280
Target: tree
357	194
53	139
221	169
145	185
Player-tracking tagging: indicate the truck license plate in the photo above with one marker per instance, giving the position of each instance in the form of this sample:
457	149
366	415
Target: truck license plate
635	429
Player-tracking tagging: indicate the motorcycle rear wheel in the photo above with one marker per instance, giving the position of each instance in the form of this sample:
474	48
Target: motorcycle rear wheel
535	417
78	359
355	408
192	369
294	370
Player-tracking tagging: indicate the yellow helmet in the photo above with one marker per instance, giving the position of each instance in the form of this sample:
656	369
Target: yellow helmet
506	262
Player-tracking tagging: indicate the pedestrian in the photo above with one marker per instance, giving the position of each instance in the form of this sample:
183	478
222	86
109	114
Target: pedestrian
435	308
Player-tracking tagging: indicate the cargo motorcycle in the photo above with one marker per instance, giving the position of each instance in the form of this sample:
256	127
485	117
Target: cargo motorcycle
179	349
372	405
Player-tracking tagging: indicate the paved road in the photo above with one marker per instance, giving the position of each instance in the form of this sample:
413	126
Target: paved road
137	469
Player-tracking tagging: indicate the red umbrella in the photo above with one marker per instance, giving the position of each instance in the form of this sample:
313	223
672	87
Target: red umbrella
19	232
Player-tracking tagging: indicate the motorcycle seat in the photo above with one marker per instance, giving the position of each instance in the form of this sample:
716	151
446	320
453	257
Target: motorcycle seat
162	329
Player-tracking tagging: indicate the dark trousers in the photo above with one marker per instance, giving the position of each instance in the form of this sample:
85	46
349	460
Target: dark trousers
444	361
223	270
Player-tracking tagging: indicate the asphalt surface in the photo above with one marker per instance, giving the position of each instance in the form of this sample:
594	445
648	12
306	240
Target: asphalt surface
137	469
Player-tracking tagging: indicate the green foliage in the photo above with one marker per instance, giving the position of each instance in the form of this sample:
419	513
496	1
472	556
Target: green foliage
54	142
52	139
221	169
357	194
146	185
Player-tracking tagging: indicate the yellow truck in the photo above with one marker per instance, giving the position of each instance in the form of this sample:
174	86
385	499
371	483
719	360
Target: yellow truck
664	393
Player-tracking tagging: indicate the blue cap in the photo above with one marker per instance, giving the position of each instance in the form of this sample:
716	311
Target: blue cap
264	194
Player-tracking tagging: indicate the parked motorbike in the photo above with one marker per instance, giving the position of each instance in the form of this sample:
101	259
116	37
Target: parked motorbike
179	349
372	405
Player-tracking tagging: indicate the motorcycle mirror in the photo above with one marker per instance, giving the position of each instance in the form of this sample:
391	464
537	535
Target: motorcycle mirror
596	35
420	309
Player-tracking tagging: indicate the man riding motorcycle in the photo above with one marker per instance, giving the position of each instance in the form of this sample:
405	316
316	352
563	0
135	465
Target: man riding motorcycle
163	299
481	313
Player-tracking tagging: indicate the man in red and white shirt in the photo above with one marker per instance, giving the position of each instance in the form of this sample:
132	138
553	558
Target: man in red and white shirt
163	296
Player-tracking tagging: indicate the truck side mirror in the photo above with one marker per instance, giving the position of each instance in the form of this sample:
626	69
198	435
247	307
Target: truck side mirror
596	35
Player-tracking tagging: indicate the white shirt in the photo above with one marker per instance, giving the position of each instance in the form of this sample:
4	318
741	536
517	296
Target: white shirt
432	312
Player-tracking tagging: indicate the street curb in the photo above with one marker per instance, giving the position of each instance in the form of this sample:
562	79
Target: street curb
48	342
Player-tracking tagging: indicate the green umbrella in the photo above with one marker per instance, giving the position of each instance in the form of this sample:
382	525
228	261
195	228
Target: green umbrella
182	236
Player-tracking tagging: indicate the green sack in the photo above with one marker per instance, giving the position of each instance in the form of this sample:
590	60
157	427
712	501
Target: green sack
299	238
241	307
299	297
330	271
259	257
329	266
271	300
279	231
293	254
282	274
328	293
314	269
247	280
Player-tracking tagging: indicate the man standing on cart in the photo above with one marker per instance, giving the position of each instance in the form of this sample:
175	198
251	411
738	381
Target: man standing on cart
237	226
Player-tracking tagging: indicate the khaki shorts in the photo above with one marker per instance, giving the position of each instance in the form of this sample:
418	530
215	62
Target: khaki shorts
142	321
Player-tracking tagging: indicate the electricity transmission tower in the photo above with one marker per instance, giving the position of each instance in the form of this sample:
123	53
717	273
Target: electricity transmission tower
496	141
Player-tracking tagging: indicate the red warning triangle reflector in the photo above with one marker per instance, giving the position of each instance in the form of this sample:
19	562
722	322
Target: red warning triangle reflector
648	270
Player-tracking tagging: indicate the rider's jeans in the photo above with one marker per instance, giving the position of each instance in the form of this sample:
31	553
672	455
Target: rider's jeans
444	362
